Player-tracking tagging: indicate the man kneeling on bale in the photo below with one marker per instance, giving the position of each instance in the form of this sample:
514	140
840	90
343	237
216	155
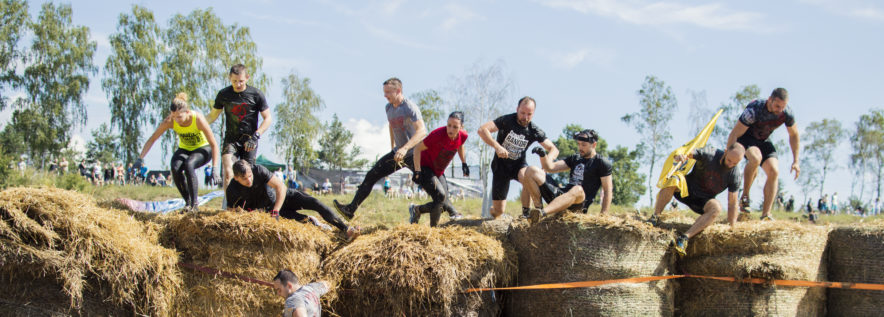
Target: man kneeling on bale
256	188
589	171
713	173
300	301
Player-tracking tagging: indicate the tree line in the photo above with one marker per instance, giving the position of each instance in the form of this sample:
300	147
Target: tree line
44	83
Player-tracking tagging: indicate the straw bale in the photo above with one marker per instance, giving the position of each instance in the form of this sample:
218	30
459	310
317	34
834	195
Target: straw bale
251	244
414	270
769	250
578	247
63	254
856	254
497	228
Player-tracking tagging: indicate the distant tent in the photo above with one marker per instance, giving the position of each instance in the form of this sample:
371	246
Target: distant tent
272	166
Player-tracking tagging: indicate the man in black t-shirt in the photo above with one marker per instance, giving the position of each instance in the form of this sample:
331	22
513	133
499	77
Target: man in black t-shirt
515	132
758	121
713	172
254	187
589	171
241	105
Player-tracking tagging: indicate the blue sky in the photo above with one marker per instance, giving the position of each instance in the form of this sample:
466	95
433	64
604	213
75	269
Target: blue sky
583	60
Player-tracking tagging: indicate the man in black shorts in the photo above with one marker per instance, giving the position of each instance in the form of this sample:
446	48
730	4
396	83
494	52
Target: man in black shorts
254	187
241	105
714	172
515	132
589	171
757	122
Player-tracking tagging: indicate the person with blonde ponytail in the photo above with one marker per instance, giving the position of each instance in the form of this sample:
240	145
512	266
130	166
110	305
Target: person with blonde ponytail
195	140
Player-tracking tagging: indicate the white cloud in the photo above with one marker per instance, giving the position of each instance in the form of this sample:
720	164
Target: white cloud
712	16
374	140
458	14
281	20
855	8
569	60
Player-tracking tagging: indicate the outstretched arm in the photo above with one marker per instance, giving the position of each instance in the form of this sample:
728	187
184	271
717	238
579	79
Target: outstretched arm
795	143
165	125
738	131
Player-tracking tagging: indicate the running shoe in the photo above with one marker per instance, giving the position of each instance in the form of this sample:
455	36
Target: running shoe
344	210
534	215
681	245
455	216
653	221
744	204
766	218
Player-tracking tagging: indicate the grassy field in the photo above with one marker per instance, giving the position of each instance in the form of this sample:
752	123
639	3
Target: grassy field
377	210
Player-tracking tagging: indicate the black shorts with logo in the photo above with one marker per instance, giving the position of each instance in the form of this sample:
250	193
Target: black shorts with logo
695	203
502	173
767	148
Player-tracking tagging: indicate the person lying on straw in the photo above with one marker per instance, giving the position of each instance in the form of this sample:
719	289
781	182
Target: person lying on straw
255	187
589	171
300	301
713	172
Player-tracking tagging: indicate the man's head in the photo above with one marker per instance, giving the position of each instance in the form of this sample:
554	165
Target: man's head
242	173
587	140
238	76
734	154
777	101
525	110
285	282
393	90
455	124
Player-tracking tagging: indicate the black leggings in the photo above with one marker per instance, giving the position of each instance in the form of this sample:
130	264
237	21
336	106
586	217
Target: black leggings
385	166
184	165
437	188
296	200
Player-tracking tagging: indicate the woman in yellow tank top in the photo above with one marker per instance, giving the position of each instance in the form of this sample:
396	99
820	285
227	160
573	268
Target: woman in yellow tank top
195	140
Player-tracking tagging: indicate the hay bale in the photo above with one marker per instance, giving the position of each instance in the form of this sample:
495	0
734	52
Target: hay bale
497	228
63	254
250	244
769	250
856	254
578	247
414	270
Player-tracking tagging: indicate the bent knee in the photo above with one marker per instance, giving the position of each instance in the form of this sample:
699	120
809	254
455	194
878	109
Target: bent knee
712	207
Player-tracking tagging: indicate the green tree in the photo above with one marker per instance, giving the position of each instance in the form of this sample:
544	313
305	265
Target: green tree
568	146
297	125
104	145
13	25
627	180
431	105
334	144
200	49
57	77
823	137
810	178
657	104
732	111
129	73
868	146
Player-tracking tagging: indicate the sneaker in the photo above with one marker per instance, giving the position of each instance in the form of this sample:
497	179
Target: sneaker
315	221
525	212
653	221
414	215
766	218
744	204
344	210
455	216
681	244
534	215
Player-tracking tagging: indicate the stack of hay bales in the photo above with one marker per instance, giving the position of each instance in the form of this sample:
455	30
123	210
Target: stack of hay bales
251	244
769	250
414	270
578	247
61	254
856	254
497	228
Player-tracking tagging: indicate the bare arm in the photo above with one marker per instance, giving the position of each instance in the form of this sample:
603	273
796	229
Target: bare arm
280	189
214	115
795	143
165	125
417	156
738	131
553	167
732	208
552	151
203	125
460	153
392	141
485	132
267	120
420	132
607	192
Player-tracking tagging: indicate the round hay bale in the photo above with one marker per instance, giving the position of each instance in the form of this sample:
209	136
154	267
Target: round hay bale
62	253
414	270
497	228
769	250
579	247
251	244
856	254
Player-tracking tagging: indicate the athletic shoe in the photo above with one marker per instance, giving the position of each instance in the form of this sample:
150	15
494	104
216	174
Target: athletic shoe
766	218
534	215
455	216
525	212
681	244
653	221
344	210
744	204
414	216
315	221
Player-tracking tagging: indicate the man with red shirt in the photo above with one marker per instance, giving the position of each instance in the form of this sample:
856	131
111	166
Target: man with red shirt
431	156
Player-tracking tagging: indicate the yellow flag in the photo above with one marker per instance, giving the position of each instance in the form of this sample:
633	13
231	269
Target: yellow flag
673	174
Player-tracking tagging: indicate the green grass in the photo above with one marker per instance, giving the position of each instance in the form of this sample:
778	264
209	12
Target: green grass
376	210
